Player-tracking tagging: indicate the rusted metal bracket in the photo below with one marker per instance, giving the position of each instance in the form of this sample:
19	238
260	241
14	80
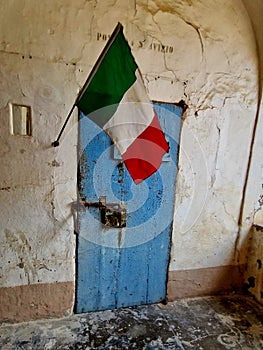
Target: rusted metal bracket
75	207
112	214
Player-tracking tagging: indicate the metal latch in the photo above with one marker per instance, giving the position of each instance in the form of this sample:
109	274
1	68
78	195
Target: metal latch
111	214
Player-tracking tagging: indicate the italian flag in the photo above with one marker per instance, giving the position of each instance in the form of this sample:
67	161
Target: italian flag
115	98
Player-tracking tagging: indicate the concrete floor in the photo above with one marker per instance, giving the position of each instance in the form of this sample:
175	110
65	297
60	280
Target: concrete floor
210	323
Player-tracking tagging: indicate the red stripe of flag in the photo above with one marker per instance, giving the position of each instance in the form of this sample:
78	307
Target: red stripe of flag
144	156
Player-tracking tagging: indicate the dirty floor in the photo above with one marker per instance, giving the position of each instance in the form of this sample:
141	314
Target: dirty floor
210	323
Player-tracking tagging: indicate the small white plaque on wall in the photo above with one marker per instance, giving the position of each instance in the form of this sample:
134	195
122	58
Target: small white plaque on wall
20	120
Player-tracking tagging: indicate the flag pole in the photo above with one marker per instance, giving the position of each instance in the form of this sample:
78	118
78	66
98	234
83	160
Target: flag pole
56	142
90	77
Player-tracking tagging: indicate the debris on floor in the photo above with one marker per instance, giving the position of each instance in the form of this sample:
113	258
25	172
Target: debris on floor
208	323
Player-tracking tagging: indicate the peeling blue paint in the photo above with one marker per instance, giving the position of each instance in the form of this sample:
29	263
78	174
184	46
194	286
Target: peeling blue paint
124	267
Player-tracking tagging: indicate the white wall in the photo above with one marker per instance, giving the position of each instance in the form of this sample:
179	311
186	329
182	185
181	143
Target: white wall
254	193
47	49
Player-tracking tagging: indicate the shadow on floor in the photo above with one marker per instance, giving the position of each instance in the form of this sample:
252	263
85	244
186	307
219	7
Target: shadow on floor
208	323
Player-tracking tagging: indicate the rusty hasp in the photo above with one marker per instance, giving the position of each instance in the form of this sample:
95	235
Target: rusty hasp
112	214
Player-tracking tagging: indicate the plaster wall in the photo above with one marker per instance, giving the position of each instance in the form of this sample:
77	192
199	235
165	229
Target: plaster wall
253	206
210	61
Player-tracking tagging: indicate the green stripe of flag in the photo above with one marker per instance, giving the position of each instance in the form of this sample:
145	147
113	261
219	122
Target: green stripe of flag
114	76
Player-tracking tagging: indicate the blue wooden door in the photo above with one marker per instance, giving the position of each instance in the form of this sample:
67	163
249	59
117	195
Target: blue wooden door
124	266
